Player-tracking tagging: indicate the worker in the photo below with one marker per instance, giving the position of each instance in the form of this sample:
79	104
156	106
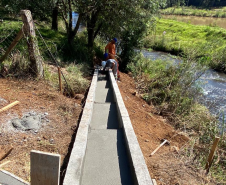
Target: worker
110	63
110	49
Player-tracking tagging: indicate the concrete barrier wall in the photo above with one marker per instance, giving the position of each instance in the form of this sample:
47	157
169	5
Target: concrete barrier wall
75	166
137	163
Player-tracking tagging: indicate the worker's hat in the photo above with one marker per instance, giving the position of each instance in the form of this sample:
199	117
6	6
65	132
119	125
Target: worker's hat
115	39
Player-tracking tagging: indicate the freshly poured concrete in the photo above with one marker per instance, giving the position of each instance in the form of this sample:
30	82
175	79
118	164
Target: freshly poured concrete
106	161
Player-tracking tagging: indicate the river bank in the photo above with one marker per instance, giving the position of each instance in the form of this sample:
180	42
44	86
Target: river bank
205	44
184	10
173	91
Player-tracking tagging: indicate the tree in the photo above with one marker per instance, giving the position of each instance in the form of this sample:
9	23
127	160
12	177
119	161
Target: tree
40	9
111	18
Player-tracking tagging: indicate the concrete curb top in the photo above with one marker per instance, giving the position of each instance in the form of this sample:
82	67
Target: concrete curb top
138	165
75	165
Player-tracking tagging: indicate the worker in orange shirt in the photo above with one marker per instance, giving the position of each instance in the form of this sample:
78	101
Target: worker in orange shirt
111	50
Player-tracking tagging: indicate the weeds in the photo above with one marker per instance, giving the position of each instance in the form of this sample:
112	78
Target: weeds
173	90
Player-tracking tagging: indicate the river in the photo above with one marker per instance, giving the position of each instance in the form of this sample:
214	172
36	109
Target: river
212	83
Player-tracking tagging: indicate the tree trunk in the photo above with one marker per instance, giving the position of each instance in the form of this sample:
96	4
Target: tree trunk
72	33
34	54
54	18
91	23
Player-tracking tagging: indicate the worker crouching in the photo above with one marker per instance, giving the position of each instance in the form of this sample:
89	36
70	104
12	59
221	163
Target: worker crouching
110	63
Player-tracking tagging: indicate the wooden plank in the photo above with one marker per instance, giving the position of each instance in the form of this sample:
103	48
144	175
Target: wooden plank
9	106
211	155
45	168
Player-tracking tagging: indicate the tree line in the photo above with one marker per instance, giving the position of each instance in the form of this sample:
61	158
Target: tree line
105	18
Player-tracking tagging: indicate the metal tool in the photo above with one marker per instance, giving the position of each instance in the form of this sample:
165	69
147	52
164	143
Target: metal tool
164	142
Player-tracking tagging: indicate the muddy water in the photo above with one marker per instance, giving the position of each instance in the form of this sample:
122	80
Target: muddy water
212	83
209	21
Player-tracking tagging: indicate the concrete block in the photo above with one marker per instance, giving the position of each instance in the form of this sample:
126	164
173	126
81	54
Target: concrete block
45	168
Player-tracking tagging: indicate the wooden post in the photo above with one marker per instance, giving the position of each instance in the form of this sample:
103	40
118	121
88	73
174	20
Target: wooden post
211	155
60	82
34	54
12	45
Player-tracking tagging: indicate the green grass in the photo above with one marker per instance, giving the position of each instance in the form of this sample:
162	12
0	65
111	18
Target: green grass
188	11
75	60
206	44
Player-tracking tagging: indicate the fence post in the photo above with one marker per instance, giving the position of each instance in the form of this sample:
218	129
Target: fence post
34	54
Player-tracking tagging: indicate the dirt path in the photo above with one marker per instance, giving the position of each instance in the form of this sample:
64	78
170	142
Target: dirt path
167	165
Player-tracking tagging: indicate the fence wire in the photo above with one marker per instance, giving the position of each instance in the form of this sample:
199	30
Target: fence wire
19	56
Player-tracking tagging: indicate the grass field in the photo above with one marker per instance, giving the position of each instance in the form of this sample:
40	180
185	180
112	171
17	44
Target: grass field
204	43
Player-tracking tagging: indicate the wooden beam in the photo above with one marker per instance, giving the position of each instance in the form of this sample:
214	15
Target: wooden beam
12	45
9	106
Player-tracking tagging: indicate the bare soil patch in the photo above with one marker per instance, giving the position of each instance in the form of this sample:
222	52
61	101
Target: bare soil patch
61	115
168	165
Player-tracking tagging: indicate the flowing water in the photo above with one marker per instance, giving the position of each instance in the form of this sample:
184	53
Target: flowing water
212	83
195	20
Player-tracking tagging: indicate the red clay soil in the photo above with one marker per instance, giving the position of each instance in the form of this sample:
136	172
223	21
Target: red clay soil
54	136
167	165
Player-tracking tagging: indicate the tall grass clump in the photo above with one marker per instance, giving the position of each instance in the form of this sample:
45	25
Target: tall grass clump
173	89
75	83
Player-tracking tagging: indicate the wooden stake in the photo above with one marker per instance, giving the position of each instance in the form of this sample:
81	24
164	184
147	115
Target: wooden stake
12	45
6	154
60	82
211	155
9	106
